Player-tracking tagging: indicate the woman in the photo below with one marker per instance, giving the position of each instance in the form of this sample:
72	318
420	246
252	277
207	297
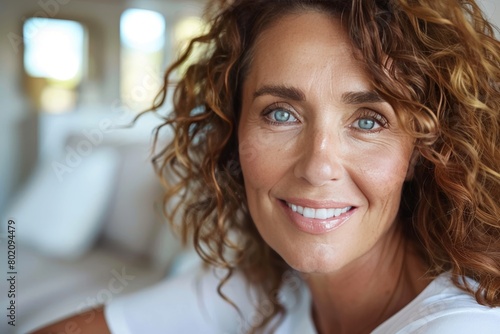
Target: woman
338	162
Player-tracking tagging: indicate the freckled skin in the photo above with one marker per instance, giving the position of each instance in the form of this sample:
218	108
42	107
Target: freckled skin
321	156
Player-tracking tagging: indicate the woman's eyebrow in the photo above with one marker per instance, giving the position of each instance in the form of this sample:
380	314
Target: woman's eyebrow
281	91
295	94
361	97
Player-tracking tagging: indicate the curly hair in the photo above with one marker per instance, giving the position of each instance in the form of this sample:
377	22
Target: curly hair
437	62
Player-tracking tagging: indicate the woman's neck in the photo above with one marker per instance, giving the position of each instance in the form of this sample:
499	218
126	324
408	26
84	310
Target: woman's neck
359	298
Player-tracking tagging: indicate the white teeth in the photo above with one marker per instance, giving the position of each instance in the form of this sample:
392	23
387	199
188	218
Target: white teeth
309	213
322	213
330	212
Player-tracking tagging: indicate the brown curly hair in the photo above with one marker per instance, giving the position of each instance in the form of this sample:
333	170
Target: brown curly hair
436	61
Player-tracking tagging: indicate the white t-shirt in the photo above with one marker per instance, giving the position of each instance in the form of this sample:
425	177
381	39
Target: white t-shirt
190	304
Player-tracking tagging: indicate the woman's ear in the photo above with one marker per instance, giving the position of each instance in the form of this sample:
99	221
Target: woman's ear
411	166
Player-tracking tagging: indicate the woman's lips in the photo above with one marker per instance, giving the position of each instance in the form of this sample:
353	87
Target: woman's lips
317	220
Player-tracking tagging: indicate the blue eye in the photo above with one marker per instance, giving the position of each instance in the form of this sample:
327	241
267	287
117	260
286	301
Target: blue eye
366	124
280	115
370	121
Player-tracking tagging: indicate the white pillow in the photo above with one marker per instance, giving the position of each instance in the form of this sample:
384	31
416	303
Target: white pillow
60	209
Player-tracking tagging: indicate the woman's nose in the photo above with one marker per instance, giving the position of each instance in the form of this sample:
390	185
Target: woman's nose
320	159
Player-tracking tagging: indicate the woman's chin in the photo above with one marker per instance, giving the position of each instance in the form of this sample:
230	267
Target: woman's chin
312	265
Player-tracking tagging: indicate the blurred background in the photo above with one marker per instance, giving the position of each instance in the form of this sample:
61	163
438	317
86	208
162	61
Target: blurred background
78	188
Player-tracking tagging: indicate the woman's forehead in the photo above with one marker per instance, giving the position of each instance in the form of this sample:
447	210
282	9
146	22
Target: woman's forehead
305	49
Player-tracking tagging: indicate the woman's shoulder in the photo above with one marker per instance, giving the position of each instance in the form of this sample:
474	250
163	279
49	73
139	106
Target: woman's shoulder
443	308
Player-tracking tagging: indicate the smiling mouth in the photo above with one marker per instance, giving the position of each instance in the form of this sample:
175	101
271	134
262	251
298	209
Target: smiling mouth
322	213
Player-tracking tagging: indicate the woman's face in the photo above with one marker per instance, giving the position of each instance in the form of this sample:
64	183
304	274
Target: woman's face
322	155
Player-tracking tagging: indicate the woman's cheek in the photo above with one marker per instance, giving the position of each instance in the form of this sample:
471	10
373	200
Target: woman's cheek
265	154
381	166
256	159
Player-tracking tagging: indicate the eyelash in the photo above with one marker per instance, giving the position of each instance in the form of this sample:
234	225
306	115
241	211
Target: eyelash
372	115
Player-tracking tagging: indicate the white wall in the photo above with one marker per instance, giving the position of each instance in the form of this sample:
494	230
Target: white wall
14	110
492	10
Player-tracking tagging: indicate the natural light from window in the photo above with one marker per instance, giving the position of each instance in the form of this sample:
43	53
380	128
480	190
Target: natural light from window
143	44
54	48
142	29
186	29
55	59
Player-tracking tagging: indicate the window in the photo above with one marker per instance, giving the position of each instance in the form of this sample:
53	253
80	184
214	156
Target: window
55	56
186	29
142	34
